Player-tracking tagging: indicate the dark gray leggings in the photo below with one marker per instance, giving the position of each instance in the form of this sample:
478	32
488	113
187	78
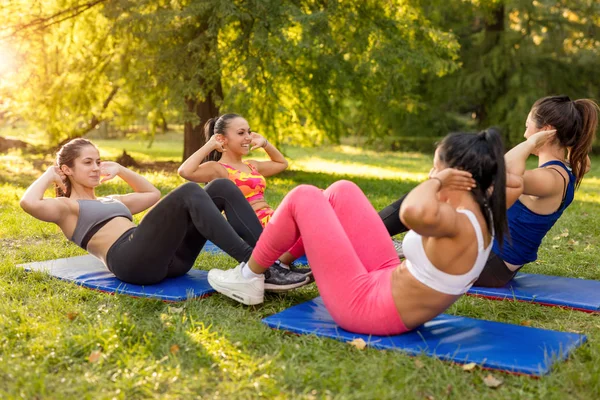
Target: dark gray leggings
494	274
168	240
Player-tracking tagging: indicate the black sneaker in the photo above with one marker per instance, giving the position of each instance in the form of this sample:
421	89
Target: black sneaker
279	279
304	270
398	247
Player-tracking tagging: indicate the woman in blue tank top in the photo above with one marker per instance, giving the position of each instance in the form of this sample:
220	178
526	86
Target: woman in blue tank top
547	190
560	132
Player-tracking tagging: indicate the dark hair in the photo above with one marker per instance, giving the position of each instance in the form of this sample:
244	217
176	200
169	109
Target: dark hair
214	126
482	155
575	123
66	155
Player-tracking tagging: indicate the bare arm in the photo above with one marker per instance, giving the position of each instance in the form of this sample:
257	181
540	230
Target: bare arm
33	202
539	182
193	169
145	196
277	164
422	212
514	188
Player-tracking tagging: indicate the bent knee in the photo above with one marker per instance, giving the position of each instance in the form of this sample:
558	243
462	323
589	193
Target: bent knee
303	191
343	186
221	186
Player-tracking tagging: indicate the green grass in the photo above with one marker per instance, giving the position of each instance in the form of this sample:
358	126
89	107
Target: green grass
216	348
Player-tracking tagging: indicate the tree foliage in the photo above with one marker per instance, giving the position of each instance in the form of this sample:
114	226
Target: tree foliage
301	71
297	69
512	53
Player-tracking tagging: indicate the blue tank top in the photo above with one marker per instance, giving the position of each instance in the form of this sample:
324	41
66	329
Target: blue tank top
527	229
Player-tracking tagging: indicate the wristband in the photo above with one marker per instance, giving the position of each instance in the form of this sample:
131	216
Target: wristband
266	144
437	179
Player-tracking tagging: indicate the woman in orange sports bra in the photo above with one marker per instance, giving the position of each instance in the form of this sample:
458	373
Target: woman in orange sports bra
228	139
253	185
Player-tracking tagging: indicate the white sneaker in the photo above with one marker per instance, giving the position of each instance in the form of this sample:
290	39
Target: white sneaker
232	284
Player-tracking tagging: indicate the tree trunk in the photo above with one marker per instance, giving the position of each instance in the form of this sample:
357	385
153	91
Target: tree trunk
193	135
492	38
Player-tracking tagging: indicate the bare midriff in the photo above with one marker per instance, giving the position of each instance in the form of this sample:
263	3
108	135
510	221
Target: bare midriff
417	303
102	240
259	204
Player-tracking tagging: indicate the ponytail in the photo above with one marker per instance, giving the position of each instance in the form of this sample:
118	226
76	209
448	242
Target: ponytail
59	192
583	145
209	131
483	156
497	197
575	123
216	125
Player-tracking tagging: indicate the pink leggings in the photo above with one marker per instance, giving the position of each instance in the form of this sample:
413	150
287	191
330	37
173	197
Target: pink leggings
350	252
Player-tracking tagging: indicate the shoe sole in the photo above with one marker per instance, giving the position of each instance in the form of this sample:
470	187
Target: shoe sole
238	296
269	287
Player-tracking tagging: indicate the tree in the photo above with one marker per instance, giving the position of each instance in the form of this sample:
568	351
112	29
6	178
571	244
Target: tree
512	53
296	69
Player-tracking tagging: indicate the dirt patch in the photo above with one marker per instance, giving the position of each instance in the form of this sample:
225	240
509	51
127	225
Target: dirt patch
7	144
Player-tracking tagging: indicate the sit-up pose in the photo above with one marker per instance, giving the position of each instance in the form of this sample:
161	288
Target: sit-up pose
560	132
363	284
228	140
168	239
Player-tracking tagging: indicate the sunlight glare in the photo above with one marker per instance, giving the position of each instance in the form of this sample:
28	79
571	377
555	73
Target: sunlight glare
8	60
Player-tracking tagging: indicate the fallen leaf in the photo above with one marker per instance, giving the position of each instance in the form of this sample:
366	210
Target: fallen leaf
72	315
429	397
95	356
526	323
469	367
419	364
175	310
556	237
449	389
555	246
492	382
574	242
174	349
358	343
565	233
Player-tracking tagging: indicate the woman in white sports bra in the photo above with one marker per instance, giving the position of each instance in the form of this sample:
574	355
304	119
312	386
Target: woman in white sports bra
360	278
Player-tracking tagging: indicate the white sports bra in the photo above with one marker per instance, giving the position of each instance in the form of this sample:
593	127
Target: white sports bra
425	272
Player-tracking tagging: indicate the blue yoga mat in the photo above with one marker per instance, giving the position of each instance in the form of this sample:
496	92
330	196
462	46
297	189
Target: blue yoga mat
89	272
558	291
210	247
493	345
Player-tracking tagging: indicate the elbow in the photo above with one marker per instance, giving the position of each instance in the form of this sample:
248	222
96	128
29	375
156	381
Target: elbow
183	172
156	195
25	205
284	164
417	215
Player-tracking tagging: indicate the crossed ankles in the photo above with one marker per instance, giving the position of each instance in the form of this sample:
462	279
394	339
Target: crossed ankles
251	290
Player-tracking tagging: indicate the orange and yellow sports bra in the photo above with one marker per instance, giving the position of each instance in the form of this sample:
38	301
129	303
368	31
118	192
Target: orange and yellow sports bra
253	185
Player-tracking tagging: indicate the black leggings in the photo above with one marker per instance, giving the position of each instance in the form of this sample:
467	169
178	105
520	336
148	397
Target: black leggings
170	237
494	274
391	217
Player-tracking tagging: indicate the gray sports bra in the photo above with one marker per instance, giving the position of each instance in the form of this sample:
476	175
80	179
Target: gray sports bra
93	215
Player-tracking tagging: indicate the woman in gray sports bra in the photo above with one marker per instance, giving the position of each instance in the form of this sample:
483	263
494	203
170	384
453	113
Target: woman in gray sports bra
168	239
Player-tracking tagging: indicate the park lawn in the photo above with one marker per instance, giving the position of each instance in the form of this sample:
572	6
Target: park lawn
58	340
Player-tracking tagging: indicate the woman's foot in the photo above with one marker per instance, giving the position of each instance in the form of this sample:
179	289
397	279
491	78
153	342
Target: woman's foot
281	279
398	247
303	270
233	284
